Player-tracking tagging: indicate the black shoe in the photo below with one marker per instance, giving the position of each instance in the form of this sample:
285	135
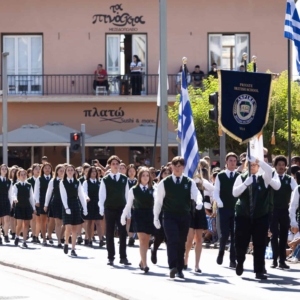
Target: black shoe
79	240
13	236
173	272
220	257
1	241
110	262
153	257
232	265
274	265
146	269
24	245
283	266
103	238
6	239
185	267
140	265
239	269
260	276
51	242
59	246
101	243
265	271
17	241
62	241
131	242
198	271
33	239
90	243
180	275
86	242
66	248
73	253
124	261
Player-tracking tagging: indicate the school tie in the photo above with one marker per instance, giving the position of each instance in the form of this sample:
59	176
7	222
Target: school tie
47	177
280	177
144	189
115	177
231	175
254	180
94	181
177	180
70	180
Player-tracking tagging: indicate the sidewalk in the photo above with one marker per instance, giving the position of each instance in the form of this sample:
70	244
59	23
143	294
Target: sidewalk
89	270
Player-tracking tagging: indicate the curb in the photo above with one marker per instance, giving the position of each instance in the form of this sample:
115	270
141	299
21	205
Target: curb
68	280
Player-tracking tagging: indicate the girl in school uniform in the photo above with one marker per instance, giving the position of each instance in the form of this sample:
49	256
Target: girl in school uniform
72	195
40	190
131	174
141	197
24	206
91	188
35	169
12	221
198	221
5	201
53	198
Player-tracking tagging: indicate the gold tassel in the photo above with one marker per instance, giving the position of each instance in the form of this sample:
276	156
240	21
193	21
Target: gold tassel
220	131
273	138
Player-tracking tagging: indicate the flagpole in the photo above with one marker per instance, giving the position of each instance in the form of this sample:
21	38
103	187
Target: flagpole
245	56
289	107
155	137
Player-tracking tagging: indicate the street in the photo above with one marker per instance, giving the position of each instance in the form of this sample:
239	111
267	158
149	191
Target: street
17	284
90	269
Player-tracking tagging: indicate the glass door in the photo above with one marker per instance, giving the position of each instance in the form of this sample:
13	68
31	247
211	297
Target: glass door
139	47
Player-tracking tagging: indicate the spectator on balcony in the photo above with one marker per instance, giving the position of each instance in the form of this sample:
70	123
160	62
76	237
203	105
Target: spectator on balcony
214	71
197	78
242	68
178	79
100	78
136	79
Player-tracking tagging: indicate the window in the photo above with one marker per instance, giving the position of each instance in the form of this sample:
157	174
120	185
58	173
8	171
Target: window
24	63
226	50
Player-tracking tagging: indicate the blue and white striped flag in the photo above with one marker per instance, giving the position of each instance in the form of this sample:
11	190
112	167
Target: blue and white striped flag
186	131
292	28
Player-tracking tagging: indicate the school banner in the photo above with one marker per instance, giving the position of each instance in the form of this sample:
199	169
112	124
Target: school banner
244	103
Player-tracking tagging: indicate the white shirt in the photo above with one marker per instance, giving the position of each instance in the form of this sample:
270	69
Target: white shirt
36	193
86	187
10	190
293	181
102	191
31	199
293	207
134	65
64	196
160	194
50	191
239	187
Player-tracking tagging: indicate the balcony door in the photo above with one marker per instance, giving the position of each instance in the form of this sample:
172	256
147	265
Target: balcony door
24	63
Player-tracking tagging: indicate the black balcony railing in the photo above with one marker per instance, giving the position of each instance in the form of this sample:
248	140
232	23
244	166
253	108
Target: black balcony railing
84	84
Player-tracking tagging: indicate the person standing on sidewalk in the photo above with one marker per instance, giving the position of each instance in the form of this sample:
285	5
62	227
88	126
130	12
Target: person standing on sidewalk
54	200
141	197
5	201
113	195
72	195
280	221
226	205
252	221
173	197
25	205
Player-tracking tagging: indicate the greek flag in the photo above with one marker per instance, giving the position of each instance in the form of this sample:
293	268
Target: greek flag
292	28
186	131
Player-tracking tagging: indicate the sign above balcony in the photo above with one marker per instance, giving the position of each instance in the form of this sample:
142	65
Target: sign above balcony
121	20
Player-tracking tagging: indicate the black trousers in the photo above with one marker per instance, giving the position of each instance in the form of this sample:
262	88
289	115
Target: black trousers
227	228
136	83
258	229
113	217
280	224
102	83
176	230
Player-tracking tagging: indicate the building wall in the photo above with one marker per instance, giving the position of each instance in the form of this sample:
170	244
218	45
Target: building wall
74	45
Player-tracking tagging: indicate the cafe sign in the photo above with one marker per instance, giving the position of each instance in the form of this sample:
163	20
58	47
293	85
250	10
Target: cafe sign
119	19
115	116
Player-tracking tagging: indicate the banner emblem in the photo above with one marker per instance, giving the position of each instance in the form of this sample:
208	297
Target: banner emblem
244	109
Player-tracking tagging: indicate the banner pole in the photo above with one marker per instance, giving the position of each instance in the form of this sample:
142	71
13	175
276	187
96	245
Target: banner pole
289	108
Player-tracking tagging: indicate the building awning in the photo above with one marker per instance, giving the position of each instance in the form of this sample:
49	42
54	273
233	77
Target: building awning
118	138
61	130
150	131
32	135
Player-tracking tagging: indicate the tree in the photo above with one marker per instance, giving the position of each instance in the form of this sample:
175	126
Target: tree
207	130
